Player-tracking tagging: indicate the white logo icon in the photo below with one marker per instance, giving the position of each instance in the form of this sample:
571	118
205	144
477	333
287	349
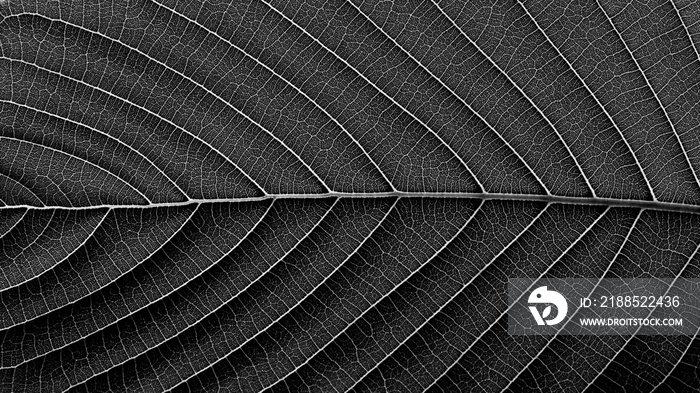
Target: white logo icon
542	296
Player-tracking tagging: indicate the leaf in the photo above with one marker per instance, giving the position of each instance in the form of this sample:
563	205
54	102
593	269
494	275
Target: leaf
332	195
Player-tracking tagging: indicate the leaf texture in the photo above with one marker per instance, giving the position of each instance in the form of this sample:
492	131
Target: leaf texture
332	195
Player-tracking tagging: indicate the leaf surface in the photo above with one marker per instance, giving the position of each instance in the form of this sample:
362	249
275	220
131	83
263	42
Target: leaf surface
332	195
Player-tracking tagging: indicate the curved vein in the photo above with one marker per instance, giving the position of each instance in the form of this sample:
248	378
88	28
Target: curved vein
23	187
687	263
477	275
15	224
425	126
454	94
139	106
309	293
114	175
386	295
653	93
488	329
216	96
680	359
75	249
522	92
289	83
602	276
43	230
102	133
264	274
571	67
165	242
166	296
687	32
697	55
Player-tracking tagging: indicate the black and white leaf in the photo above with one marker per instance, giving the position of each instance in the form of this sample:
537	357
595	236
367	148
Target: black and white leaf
331	195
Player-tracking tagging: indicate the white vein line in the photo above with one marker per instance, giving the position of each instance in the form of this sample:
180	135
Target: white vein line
667	33
617	202
23	187
15	224
454	94
653	93
692	255
636	160
179	333
207	91
670	54
298	89
690	37
309	293
34	241
21	177
488	329
522	92
133	104
165	242
114	175
163	296
36	277
103	133
374	305
680	359
75	249
695	49
607	269
377	89
428	319
477	275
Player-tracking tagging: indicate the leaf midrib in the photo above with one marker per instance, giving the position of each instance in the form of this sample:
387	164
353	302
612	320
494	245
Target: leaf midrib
591	201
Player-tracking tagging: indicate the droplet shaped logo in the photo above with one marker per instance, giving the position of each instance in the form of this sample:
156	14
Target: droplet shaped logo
542	296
